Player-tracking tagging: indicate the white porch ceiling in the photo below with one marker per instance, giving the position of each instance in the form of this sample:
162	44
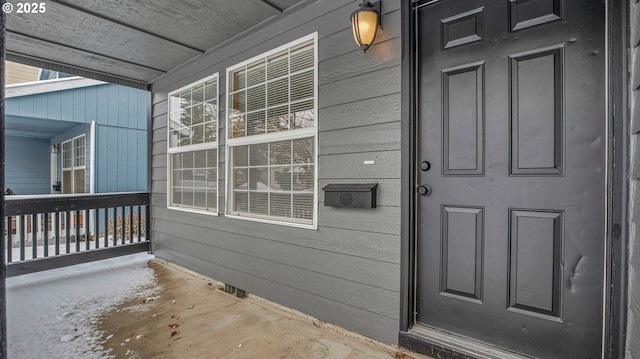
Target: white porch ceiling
132	42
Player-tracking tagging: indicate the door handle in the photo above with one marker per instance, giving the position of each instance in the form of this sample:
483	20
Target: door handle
424	190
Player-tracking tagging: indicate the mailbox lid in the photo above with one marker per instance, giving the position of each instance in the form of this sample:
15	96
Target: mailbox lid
350	187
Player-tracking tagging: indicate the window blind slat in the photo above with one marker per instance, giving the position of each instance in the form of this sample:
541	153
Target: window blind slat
259	203
66	182
278	92
256	123
302	58
211	91
278	119
197	114
302	115
255	73
78	180
237	80
302	85
197	94
255	98
277	65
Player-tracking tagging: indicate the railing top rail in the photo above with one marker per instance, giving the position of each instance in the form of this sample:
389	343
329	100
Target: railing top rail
20	205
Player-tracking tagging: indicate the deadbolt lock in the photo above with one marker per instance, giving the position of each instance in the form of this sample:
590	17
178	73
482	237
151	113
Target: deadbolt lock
424	190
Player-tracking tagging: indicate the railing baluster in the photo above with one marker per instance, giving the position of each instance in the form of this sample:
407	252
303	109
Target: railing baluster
115	226
139	222
77	222
23	230
67	227
34	236
9	239
57	233
130	224
96	226
123	222
106	228
147	223
87	232
46	235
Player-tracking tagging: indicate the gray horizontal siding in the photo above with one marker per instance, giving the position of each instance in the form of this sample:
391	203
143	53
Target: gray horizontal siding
347	271
383	137
371	111
378	246
351	165
332	263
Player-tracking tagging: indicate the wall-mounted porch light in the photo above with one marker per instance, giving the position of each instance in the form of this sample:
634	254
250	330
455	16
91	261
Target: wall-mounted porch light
365	22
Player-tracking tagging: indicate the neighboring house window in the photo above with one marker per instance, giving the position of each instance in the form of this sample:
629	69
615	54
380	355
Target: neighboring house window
271	135
73	165
193	147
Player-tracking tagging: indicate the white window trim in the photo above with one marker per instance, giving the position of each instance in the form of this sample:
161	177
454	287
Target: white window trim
274	137
73	166
92	156
196	147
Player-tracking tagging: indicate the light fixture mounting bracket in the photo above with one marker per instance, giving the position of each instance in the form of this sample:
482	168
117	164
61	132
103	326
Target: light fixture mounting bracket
377	6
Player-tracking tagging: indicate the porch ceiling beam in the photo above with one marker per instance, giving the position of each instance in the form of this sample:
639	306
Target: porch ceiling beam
121	23
31	134
266	4
76	70
85	51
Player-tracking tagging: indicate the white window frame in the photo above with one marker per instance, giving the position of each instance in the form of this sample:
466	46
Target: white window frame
193	148
273	137
73	167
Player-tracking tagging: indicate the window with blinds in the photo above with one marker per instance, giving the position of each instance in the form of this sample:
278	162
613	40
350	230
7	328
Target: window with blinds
193	147
271	135
73	165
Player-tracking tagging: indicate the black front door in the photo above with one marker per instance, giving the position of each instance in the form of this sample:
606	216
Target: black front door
511	174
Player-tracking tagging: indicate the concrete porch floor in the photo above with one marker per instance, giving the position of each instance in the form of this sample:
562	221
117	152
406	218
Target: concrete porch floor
192	317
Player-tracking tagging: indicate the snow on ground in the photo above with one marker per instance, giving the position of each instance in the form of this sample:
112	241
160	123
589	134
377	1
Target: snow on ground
54	314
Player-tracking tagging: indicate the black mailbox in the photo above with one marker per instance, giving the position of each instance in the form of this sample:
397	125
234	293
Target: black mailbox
350	195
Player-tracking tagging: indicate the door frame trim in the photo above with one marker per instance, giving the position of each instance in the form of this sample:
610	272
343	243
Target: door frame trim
617	191
617	241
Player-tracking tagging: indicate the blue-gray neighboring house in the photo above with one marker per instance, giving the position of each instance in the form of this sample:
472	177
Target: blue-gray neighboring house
75	135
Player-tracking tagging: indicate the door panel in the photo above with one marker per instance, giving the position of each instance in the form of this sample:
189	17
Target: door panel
537	117
511	116
462	245
463	120
535	280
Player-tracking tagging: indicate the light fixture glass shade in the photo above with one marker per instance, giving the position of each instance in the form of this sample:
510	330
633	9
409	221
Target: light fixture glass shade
364	23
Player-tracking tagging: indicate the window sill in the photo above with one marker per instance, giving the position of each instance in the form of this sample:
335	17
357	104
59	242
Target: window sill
313	226
193	210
